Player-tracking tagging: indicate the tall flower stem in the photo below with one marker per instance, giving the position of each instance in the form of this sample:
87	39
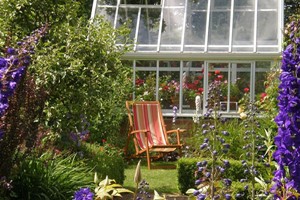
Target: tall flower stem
253	154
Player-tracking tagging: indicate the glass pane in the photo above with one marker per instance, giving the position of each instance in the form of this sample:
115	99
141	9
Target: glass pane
243	28
128	15
262	68
142	2
169	87
172	26
244	4
149	27
174	2
220	4
195	27
107	2
107	13
242	74
145	84
197	5
192	80
220	71
242	49
267	4
260	78
219	28
145	63
169	83
267	29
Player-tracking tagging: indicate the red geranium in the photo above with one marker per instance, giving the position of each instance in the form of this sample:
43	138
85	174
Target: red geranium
217	72
263	96
246	90
200	90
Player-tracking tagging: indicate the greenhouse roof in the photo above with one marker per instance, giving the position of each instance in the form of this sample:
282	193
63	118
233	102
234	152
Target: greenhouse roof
198	26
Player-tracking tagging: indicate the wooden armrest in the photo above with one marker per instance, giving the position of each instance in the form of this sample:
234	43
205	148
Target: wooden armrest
139	131
176	131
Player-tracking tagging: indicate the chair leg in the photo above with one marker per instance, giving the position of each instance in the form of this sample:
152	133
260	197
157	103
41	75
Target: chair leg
148	159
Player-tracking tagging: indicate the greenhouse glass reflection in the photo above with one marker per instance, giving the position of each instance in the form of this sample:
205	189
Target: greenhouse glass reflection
178	43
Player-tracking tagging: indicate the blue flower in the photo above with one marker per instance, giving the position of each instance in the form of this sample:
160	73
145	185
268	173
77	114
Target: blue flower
227	196
11	51
83	194
3	63
287	141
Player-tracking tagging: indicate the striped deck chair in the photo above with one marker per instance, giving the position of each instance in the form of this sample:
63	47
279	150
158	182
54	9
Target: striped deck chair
148	130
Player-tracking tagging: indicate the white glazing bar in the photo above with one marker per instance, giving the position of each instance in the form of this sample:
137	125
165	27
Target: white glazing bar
207	25
137	29
116	15
183	26
231	26
94	8
255	26
280	23
134	77
205	87
160	25
252	81
228	87
157	80
180	87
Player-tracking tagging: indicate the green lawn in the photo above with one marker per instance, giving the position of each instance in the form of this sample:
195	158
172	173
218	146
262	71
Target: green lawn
162	180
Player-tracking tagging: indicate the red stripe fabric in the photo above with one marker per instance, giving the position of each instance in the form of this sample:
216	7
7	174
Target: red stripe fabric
147	116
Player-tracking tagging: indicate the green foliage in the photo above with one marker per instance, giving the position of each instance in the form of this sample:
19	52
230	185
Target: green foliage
50	177
108	189
269	103
84	77
186	168
20	17
234	139
106	161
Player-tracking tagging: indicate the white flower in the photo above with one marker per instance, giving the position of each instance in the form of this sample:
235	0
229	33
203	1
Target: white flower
243	115
198	103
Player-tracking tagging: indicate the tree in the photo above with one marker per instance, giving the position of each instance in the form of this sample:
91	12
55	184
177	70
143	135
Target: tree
291	7
77	66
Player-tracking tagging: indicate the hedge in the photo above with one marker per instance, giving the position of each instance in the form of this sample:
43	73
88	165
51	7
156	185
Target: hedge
186	168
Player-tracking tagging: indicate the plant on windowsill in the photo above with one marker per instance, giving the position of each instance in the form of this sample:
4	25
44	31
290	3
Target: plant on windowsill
145	88
235	92
169	90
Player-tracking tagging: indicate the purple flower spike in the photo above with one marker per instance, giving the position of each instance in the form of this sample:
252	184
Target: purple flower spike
1	134
83	194
227	196
287	154
11	51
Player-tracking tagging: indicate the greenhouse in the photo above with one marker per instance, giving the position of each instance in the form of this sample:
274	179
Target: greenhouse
178	44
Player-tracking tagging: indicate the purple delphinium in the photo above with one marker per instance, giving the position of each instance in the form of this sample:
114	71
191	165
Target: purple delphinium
13	67
287	155
254	147
214	144
83	194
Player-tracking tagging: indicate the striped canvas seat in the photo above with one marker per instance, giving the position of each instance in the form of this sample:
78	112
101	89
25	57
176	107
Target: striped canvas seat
148	131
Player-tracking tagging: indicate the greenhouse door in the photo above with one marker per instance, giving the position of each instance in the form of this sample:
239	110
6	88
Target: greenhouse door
236	80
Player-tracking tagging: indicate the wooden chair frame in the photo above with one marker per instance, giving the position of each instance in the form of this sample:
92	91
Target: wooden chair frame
149	150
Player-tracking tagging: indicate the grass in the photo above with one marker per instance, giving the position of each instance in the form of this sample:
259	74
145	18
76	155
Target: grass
164	181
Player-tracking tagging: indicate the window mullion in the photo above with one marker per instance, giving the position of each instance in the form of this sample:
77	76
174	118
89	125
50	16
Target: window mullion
207	25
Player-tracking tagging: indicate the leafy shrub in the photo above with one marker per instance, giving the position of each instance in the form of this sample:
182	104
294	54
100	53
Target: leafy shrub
50	177
186	168
105	160
234	139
